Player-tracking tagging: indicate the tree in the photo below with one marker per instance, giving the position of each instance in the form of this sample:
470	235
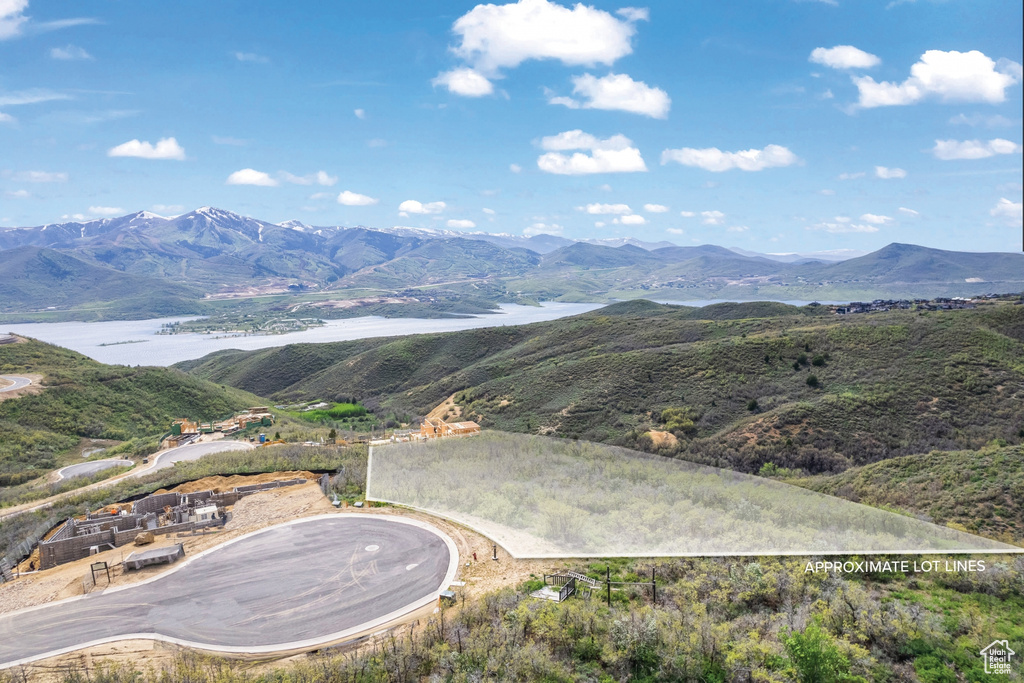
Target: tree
812	381
332	435
752	405
816	656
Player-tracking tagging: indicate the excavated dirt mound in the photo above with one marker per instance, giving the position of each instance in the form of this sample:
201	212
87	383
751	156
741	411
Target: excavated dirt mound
219	484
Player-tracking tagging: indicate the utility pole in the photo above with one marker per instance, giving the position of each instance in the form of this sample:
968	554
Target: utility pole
608	581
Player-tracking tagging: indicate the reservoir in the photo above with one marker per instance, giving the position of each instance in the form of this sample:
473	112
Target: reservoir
135	342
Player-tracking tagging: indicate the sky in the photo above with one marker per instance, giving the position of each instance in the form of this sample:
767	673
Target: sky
770	125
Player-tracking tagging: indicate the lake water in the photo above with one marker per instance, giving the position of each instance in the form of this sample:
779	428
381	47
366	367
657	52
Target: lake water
154	349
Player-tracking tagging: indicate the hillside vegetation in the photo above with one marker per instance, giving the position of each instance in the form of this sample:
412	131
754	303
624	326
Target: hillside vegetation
36	278
86	399
978	491
732	385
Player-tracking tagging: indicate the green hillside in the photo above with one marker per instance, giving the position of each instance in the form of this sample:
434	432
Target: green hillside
800	388
979	491
86	399
37	278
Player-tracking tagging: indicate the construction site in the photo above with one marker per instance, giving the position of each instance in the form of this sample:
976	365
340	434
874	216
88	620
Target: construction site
159	514
185	431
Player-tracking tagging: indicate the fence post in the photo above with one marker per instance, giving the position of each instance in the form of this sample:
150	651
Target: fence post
608	581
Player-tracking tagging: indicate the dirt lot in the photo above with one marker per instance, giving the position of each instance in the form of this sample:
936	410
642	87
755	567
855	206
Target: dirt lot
251	513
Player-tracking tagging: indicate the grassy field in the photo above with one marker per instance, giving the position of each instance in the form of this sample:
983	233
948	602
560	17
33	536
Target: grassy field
733	385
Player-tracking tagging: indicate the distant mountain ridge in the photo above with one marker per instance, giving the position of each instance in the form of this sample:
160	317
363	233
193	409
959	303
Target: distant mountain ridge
214	251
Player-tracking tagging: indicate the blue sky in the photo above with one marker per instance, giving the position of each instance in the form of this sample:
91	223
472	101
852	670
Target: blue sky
772	125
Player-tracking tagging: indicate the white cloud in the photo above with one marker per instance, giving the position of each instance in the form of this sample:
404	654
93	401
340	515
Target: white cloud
655	208
69	53
12	17
39	177
543	229
165	148
319	178
515	168
349	198
973	149
17	194
413	206
360	113
249	176
611	155
712	217
675	231
827	192
31	96
844	57
876	219
994	121
1011	211
714	159
630	219
909	212
168	208
634	13
842	227
251	57
851	176
493	37
460	224
599	224
601	209
465	82
617	92
737	228
7	118
948	76
489	212
889	173
687	214
106	211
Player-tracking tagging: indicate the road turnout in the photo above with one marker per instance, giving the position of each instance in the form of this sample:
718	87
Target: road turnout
87	469
294	586
18	383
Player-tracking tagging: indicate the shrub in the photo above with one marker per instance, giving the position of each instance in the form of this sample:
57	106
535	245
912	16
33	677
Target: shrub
812	381
752	405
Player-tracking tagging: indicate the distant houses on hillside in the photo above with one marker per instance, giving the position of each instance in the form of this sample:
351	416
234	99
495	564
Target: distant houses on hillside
881	305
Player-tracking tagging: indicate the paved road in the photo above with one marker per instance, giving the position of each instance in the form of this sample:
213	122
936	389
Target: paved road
19	382
164	459
87	469
288	587
193	451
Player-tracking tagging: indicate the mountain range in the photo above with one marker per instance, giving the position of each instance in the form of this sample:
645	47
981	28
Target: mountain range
210	251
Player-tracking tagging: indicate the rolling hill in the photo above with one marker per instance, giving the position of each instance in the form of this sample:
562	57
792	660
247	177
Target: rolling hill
39	278
86	399
728	385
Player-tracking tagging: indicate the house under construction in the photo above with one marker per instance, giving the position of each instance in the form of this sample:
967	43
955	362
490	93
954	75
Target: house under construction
436	428
159	514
